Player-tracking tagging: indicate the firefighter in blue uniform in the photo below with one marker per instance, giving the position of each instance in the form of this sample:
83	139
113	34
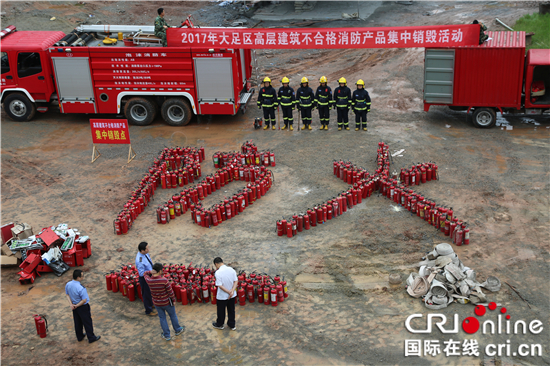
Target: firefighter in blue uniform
305	100
287	99
360	102
267	99
342	102
323	100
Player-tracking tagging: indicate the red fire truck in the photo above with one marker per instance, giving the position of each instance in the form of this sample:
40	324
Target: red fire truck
497	76
129	73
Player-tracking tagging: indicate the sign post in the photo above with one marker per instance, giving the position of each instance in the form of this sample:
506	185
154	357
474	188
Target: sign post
110	131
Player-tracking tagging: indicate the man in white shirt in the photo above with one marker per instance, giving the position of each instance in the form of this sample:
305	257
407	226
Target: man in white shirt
226	281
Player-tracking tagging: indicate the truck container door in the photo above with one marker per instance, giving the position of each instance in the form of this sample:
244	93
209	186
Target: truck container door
438	76
31	75
74	84
214	81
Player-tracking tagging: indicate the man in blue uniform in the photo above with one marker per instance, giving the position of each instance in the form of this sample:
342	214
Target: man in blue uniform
286	101
342	99
80	305
144	264
323	100
360	102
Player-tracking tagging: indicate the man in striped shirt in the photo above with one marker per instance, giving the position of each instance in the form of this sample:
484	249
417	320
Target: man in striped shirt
164	300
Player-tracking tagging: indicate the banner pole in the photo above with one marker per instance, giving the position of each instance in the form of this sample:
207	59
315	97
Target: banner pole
95	154
130	156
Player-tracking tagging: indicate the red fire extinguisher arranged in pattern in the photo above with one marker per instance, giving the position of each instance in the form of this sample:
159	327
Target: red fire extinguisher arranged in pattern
174	167
249	165
394	186
197	284
41	323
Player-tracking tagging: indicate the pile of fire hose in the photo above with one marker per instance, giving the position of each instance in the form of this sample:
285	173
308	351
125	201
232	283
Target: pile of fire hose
442	279
198	285
249	155
239	168
174	167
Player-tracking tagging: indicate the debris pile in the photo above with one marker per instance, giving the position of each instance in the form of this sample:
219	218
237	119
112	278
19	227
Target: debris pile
55	249
442	279
198	285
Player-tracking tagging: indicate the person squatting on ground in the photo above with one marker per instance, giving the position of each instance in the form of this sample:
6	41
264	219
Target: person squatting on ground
226	280
342	99
360	102
164	300
80	305
267	99
161	26
323	100
144	263
305	99
287	100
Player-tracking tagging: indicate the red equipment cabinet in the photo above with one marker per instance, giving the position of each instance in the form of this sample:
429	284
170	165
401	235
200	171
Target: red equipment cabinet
493	77
127	78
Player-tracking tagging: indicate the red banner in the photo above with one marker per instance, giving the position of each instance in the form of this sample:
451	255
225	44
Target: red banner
110	131
291	38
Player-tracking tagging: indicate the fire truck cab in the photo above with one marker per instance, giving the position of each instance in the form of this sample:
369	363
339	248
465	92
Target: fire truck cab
130	74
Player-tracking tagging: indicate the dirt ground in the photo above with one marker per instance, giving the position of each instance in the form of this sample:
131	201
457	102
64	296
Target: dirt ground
341	308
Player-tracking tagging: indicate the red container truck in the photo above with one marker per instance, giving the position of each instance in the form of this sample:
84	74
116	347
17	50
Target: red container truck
497	76
91	71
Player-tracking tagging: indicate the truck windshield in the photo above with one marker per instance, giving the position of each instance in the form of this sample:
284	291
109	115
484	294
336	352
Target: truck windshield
28	64
5	63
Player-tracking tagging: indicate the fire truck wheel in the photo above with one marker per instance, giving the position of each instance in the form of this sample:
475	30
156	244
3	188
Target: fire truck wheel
176	112
484	117
19	108
140	111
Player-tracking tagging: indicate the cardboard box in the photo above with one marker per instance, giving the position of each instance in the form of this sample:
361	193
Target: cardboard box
6	250
9	260
22	231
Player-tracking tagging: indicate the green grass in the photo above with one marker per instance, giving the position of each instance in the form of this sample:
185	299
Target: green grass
540	24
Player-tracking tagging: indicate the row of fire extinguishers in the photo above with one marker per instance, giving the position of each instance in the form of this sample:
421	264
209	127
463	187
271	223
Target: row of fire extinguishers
249	155
362	187
440	217
240	167
419	173
198	285
329	210
189	199
174	167
230	207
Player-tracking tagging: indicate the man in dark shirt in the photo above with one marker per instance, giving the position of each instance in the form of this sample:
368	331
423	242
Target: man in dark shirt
164	300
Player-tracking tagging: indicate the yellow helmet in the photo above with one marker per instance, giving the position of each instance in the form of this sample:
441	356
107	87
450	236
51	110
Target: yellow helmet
342	81
360	82
285	80
304	80
267	80
323	79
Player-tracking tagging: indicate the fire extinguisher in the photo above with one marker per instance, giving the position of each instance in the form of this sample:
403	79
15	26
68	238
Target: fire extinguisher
41	325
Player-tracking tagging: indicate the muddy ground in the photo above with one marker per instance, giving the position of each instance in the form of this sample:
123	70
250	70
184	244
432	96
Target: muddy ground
341	308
